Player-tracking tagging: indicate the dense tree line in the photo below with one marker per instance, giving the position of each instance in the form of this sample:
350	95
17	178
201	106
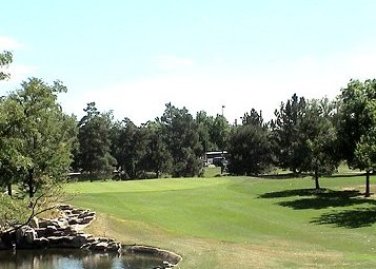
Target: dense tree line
39	142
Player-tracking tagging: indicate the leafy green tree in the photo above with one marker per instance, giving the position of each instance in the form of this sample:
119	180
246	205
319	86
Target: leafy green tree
205	125
157	158
250	146
365	156
356	123
46	134
317	139
124	147
94	157
356	116
288	148
12	159
219	132
180	134
6	58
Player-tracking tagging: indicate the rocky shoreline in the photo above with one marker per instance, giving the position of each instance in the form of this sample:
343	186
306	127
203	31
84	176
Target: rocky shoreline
65	232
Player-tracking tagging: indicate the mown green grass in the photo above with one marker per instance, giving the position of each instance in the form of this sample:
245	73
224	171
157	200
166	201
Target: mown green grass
240	222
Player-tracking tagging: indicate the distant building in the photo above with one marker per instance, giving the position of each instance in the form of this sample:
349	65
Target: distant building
215	157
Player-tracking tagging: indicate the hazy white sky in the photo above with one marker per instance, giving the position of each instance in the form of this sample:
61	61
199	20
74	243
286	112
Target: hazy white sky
135	56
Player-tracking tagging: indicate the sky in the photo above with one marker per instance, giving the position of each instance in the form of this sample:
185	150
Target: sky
133	57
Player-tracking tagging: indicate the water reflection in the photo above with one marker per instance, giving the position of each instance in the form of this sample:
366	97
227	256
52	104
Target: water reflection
67	259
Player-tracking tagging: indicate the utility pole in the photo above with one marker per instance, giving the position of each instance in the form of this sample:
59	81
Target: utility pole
222	155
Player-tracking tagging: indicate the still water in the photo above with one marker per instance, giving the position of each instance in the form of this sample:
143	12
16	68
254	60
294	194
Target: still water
50	259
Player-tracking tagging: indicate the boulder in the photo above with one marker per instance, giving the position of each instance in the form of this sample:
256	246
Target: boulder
64	207
41	243
73	221
30	235
87	220
43	223
34	223
101	246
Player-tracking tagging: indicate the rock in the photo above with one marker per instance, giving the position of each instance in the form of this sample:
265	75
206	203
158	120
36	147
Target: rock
87	220
62	242
43	223
73	221
102	246
77	211
25	237
51	228
62	223
64	207
34	223
30	235
41	242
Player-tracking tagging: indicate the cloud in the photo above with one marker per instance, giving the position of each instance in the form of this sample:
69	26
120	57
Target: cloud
8	43
18	71
171	62
208	88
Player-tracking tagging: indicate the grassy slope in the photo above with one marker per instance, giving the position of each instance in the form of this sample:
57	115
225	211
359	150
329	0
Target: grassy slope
222	222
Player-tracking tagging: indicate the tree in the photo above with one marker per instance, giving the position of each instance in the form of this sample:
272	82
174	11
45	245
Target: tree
123	147
46	134
94	155
205	125
157	157
365	156
6	58
180	134
219	132
317	139
285	129
356	122
12	160
250	146
356	116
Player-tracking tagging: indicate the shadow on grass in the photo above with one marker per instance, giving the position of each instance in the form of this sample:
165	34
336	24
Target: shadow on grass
314	199
311	192
325	198
323	202
282	176
356	218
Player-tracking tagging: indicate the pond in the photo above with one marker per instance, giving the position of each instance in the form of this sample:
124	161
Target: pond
67	259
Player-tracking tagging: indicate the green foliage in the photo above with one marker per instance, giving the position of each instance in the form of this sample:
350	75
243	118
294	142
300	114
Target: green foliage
318	138
250	146
6	58
94	155
157	158
205	127
12	211
180	134
37	136
365	152
357	117
219	132
289	150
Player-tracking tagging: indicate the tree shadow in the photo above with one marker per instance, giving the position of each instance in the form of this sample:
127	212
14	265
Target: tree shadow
311	192
356	218
314	199
323	202
282	176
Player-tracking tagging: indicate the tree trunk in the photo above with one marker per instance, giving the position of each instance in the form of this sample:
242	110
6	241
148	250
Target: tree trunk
30	183
9	187
317	185
367	194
